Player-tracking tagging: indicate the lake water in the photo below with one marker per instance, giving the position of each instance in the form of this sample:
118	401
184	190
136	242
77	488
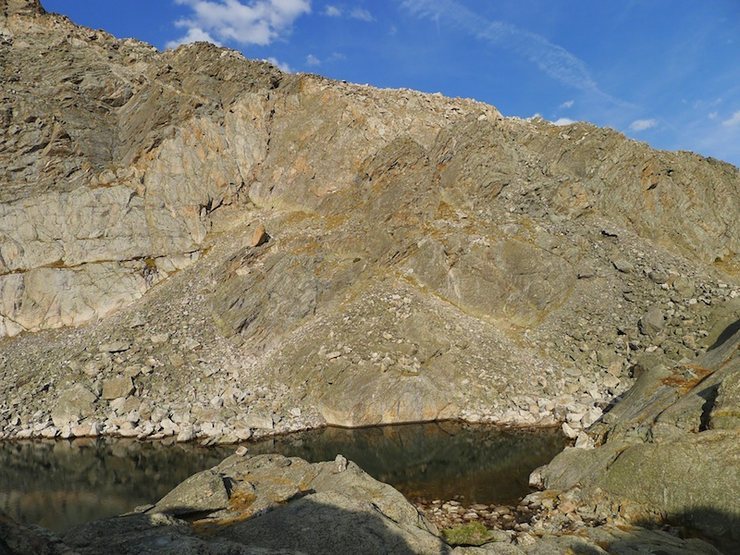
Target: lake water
61	484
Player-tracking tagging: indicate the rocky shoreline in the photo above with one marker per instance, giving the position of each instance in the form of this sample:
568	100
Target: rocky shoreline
273	504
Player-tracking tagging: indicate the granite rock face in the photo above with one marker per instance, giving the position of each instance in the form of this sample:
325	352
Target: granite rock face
315	252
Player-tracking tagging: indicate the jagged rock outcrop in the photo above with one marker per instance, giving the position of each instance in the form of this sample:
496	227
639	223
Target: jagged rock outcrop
273	504
673	444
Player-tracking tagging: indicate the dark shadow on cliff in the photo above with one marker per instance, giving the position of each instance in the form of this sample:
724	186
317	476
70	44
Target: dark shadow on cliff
321	524
728	332
718	528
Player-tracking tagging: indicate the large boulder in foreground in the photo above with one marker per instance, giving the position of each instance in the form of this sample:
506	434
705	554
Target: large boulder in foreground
673	443
269	504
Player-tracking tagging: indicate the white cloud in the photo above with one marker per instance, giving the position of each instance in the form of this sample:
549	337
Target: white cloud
194	34
313	60
643	124
712	115
282	66
733	120
254	22
567	104
563	121
332	11
552	59
361	14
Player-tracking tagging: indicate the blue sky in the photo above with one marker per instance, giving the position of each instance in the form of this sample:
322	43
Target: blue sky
662	71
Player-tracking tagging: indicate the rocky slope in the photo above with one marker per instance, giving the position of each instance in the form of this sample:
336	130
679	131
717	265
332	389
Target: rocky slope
197	245
672	446
192	243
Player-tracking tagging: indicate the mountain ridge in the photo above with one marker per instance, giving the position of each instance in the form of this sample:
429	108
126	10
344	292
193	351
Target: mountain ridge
198	246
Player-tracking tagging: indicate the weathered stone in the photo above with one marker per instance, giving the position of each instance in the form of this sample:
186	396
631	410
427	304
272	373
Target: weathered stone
259	421
120	386
725	414
259	236
115	347
657	276
624	266
652	322
73	404
201	492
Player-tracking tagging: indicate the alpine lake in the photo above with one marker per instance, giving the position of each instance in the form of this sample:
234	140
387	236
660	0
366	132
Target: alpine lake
60	484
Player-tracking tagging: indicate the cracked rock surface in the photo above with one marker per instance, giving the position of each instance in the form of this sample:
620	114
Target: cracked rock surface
275	251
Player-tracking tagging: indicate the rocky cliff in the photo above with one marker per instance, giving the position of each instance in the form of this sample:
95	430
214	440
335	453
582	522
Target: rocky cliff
187	232
198	245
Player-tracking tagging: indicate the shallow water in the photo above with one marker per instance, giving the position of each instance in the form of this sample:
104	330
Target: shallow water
61	484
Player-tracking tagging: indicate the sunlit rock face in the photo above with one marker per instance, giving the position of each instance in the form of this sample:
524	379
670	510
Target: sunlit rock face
420	258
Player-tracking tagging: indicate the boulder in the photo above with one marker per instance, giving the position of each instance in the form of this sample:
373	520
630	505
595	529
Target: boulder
259	236
117	387
652	322
73	404
269	504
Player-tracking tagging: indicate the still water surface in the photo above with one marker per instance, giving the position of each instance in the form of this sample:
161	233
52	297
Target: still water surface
61	484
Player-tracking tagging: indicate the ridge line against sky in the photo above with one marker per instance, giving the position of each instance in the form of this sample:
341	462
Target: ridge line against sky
663	71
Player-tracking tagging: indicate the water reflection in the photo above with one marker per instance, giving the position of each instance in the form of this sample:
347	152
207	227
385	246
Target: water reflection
482	464
60	484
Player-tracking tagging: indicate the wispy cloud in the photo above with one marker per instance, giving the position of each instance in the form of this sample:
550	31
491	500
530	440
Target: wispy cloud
362	14
643	124
332	11
356	13
552	59
312	60
733	120
282	66
567	104
244	22
563	121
